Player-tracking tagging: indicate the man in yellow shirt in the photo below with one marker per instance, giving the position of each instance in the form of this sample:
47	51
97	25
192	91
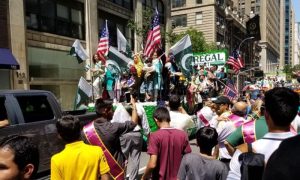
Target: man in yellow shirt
78	160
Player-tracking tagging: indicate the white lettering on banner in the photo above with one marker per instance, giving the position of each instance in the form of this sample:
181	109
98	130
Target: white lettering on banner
218	58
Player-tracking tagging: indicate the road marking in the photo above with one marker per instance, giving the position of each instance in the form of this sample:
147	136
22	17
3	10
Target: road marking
140	170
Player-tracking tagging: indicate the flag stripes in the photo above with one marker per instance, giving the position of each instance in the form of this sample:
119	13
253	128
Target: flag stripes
235	60
154	38
103	45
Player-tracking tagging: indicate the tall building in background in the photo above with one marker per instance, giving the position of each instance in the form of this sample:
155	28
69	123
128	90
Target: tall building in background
297	44
270	17
247	8
216	19
292	35
287	36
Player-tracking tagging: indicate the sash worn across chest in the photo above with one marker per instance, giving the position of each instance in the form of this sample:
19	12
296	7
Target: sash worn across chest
116	171
248	130
203	119
237	120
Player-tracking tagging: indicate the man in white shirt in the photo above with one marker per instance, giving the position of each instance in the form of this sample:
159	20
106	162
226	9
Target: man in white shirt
281	108
179	118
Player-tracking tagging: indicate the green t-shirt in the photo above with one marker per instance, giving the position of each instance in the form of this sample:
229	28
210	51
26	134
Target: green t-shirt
236	138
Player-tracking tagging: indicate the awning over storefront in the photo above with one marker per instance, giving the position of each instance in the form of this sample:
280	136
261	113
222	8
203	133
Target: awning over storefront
7	60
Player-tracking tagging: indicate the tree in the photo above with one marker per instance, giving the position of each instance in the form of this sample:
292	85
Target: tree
198	41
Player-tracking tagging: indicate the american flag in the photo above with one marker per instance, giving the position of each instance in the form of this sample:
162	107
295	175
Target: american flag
153	38
230	90
236	61
103	46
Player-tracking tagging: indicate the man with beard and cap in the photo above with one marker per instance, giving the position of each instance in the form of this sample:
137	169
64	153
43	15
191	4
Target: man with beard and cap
227	123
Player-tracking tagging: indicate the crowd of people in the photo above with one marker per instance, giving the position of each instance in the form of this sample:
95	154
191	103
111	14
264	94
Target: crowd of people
232	133
155	78
228	130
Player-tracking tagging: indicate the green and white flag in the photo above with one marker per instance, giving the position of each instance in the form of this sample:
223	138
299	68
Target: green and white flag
123	45
78	51
183	54
84	92
117	62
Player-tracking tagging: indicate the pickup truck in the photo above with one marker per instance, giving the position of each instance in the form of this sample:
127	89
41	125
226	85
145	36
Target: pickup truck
34	113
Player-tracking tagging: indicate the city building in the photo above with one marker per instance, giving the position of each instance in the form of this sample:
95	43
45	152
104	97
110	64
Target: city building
292	36
270	17
297	44
216	19
288	30
40	34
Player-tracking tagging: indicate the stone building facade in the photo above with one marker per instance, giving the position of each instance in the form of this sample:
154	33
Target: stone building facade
41	33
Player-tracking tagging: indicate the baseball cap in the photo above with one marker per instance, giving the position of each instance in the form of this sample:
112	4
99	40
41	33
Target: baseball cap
222	100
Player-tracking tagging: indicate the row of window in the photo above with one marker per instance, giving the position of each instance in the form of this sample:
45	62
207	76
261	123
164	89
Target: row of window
66	17
181	20
56	16
128	4
182	3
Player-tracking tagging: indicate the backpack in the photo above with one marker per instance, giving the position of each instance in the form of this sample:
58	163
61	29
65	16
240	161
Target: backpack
252	164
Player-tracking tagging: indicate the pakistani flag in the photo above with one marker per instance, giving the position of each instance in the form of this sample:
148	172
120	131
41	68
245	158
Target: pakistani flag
84	92
78	51
182	52
123	45
117	62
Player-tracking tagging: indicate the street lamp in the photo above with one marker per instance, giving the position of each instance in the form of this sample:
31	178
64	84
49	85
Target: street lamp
248	38
237	77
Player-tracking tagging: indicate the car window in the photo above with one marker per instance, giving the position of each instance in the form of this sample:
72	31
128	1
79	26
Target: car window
3	113
35	108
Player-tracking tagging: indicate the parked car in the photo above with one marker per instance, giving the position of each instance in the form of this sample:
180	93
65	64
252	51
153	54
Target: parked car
34	113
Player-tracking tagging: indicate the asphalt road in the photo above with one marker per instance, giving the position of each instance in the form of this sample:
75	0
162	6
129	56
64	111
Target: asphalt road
145	157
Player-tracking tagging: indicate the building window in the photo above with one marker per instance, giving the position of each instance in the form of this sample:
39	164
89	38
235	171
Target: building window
180	20
199	1
58	17
152	4
114	22
128	4
199	17
178	3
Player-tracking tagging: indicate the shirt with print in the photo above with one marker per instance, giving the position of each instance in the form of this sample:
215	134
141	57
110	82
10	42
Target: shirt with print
169	145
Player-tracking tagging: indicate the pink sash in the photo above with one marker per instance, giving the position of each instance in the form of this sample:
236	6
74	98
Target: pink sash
237	120
203	119
116	171
293	130
248	130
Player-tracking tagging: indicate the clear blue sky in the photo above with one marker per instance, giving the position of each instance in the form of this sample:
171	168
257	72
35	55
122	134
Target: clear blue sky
297	9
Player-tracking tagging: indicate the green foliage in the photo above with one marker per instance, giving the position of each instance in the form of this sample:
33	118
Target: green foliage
197	38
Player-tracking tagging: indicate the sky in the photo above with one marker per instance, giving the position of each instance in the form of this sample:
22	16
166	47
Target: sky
297	9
